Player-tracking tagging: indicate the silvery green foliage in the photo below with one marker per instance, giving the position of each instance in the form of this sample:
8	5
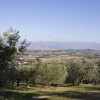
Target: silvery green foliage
79	71
50	73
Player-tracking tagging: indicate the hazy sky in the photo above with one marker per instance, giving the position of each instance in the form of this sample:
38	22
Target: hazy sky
52	20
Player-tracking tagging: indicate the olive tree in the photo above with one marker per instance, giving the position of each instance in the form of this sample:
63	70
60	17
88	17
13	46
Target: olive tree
8	52
50	73
27	71
91	72
75	72
79	71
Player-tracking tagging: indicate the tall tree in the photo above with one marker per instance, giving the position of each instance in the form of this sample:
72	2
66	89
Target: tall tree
8	52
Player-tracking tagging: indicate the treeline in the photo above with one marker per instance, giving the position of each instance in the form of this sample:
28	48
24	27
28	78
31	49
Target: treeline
55	73
45	73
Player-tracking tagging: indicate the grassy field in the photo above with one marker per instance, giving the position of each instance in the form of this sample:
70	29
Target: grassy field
82	92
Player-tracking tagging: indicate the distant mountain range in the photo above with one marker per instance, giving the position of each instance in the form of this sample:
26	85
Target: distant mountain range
63	45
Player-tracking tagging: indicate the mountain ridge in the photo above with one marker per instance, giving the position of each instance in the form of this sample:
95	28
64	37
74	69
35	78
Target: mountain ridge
57	45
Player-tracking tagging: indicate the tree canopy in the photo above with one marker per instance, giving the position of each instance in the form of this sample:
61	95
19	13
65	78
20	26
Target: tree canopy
8	52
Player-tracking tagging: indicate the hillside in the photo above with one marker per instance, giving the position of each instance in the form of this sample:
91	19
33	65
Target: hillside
63	45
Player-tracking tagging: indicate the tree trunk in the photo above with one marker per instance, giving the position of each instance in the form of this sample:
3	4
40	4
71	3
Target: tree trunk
27	82
18	83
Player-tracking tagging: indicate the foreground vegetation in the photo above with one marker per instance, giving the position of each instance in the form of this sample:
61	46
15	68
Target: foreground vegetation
18	74
82	92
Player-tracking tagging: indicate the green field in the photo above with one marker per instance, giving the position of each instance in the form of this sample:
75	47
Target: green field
82	92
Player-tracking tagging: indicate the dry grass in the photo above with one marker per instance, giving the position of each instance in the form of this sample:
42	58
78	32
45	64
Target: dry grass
83	92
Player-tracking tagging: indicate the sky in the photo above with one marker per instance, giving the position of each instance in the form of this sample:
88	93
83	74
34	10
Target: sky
52	20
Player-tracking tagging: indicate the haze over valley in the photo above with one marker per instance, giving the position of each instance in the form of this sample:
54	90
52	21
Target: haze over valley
54	45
